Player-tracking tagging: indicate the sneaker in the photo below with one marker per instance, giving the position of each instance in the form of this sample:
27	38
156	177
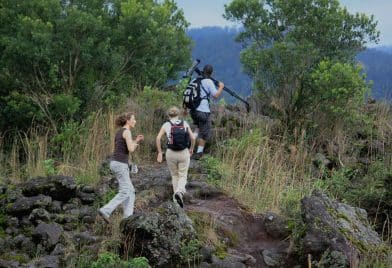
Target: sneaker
104	216
178	197
197	156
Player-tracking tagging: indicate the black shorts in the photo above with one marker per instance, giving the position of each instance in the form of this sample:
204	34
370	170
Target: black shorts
203	122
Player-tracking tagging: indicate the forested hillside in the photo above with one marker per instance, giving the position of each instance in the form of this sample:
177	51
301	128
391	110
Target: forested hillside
378	67
217	46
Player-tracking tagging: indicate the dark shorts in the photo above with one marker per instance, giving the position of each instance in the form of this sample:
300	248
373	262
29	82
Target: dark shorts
203	122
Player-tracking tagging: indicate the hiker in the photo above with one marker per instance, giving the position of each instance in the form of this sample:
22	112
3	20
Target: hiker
201	115
180	143
123	144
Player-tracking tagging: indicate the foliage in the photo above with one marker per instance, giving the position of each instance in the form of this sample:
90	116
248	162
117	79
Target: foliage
285	42
108	259
290	202
337	90
139	262
190	251
217	46
332	259
61	60
337	183
152	98
18	111
68	138
49	167
215	169
109	195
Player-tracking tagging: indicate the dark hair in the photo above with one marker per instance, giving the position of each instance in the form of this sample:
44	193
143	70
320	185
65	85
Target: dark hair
122	119
207	70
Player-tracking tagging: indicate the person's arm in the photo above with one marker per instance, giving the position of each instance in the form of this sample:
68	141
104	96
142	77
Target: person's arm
220	90
131	144
193	140
158	143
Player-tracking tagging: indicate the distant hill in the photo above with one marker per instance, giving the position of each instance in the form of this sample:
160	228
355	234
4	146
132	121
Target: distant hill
378	67
386	49
217	46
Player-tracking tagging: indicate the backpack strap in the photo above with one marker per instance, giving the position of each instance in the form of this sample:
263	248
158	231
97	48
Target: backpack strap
181	123
207	97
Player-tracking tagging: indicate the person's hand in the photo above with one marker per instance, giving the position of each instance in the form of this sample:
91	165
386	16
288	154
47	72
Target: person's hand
159	158
139	138
190	151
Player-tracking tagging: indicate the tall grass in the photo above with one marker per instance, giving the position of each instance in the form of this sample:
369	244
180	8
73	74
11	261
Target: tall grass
77	151
261	171
79	148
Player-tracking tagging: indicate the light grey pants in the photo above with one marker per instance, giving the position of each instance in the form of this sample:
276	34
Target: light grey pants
178	163
126	192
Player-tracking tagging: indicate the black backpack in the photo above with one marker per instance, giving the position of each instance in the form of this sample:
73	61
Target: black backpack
179	137
191	96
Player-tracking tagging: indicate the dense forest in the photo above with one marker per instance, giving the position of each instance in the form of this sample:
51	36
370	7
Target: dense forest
217	46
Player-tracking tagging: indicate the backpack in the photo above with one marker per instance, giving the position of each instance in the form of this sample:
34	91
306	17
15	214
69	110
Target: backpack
179	137
191	96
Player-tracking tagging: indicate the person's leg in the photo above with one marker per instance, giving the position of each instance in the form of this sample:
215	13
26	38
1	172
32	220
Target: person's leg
121	170
172	163
183	166
129	203
196	123
204	133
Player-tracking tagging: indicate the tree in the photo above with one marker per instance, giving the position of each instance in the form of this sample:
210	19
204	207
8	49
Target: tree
285	42
86	52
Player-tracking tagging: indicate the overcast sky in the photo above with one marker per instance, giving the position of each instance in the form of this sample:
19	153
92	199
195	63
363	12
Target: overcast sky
202	13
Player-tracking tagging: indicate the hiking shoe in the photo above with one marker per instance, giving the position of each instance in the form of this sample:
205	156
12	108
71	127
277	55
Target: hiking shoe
104	216
178	197
197	156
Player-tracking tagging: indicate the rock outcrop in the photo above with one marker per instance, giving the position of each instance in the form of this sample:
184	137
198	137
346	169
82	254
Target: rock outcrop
337	228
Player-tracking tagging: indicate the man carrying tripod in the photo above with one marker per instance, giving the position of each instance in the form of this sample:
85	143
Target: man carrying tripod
201	115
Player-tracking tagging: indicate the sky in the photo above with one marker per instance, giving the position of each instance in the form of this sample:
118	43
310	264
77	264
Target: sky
202	13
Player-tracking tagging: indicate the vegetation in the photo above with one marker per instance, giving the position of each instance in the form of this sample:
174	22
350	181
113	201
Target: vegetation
69	67
288	43
61	60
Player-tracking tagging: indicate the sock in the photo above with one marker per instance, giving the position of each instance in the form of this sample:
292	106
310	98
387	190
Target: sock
200	149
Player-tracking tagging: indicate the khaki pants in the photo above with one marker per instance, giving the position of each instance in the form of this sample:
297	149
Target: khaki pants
126	192
178	163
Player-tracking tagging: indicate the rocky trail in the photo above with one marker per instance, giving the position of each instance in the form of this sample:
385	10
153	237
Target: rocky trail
251	240
52	222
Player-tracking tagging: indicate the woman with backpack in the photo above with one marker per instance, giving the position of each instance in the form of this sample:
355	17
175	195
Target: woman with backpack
180	144
123	145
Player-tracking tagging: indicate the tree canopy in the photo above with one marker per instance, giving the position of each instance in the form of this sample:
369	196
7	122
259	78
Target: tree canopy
61	59
286	41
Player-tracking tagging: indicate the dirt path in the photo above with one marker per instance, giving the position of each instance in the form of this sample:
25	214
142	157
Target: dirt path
244	233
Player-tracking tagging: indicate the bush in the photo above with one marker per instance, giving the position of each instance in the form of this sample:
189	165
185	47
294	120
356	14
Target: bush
190	252
111	260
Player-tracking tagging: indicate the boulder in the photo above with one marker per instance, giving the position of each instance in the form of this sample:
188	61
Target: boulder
47	235
58	187
24	205
276	226
158	235
336	227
